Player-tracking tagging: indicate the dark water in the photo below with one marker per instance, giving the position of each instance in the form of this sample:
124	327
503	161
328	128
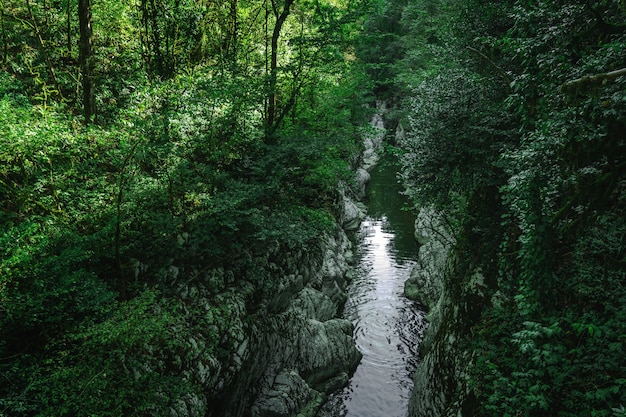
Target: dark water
388	327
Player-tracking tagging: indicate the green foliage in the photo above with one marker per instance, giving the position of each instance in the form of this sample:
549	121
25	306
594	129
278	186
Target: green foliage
379	47
456	135
128	363
102	228
531	175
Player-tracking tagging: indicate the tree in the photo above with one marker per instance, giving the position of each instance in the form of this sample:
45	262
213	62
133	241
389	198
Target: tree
280	16
86	58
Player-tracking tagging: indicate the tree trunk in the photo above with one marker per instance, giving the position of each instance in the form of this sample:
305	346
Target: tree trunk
86	58
69	28
581	85
5	46
156	40
234	33
271	106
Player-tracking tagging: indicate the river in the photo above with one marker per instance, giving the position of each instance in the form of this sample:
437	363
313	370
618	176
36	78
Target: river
388	326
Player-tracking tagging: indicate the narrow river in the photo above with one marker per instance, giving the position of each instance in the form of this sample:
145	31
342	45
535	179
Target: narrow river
388	327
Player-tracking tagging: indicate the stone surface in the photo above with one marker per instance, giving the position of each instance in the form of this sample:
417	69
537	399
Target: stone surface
318	351
373	141
304	339
274	356
428	226
427	276
362	177
440	380
412	289
314	304
326	349
335	268
352	213
287	394
400	134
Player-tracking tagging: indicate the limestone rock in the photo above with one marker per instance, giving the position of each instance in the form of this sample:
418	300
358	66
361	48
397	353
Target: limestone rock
352	214
412	289
426	280
423	285
189	405
334	264
296	351
429	226
315	305
400	134
373	142
289	392
362	177
322	354
327	349
335	267
441	378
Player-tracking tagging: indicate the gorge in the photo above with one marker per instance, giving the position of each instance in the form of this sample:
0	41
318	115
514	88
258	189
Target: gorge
388	327
186	228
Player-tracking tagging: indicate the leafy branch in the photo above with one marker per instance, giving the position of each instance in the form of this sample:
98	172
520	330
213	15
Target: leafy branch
500	71
581	85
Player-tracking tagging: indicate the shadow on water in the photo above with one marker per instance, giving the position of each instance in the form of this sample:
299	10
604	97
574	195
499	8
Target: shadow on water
388	327
385	201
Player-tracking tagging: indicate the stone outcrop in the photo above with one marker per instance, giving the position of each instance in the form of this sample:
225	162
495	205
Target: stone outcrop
243	353
307	342
362	177
441	376
425	283
288	392
297	351
373	141
352	213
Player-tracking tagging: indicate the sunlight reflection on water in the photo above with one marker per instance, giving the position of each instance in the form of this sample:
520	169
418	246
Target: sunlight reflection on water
388	328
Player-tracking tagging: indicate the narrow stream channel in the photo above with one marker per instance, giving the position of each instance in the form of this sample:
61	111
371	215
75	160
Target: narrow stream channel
388	327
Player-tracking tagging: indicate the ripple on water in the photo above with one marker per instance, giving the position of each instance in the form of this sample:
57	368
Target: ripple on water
388	328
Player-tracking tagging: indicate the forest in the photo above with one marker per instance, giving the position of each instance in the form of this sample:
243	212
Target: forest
147	146
516	129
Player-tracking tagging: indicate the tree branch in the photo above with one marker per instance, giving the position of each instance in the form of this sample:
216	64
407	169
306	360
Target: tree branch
581	84
503	74
43	50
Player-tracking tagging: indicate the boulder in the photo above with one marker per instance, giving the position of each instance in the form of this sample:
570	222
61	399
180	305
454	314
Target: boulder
288	392
326	349
314	304
426	280
352	213
424	285
318	356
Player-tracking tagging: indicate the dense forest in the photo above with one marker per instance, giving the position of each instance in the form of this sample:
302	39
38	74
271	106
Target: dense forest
149	144
515	113
146	145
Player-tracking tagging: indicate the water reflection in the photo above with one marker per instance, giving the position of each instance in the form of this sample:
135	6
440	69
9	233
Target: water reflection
388	327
